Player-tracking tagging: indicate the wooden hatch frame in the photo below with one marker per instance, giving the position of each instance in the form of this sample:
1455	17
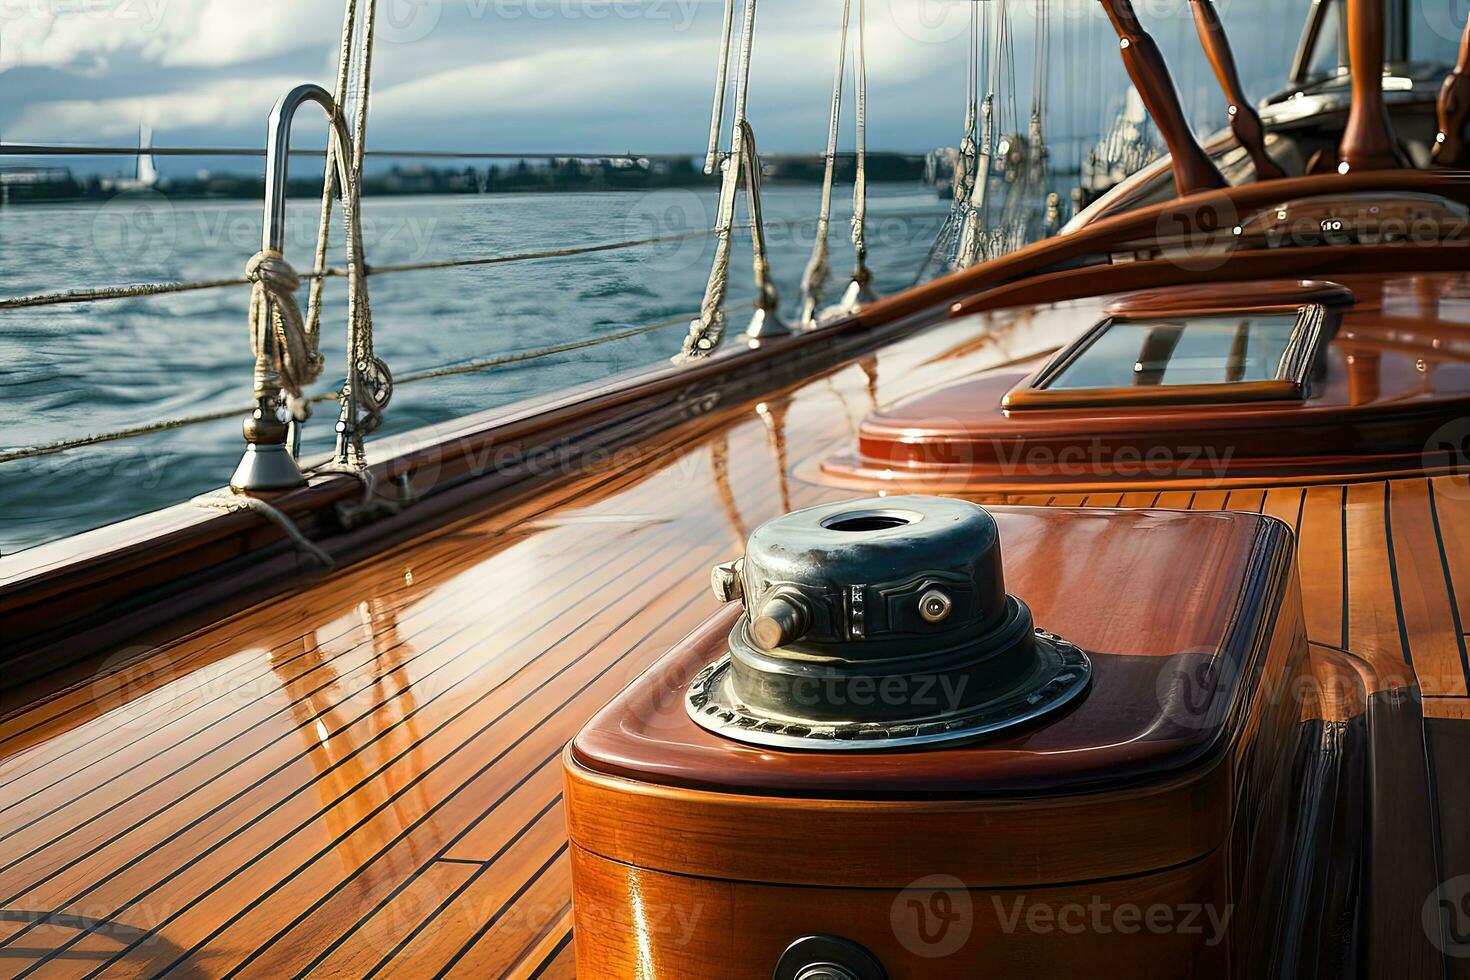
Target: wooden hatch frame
1317	306
1290	384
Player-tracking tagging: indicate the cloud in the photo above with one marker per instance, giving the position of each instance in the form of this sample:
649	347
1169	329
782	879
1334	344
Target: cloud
80	34
221	103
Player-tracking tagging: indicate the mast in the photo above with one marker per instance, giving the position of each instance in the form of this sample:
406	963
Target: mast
1193	169
1367	139
1245	122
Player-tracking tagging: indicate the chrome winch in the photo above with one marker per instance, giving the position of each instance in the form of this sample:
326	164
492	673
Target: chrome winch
879	623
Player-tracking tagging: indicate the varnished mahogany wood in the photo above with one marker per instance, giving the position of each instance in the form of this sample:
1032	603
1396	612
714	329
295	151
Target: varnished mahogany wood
330	758
1120	734
967	435
1367	139
1453	109
717	930
1149	774
1214	297
1193	169
1245	122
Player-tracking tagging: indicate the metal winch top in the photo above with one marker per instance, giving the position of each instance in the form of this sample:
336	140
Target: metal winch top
879	623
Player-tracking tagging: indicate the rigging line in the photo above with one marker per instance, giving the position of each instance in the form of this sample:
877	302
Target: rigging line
166	288
61	149
471	367
717	112
708	329
144	290
814	279
861	275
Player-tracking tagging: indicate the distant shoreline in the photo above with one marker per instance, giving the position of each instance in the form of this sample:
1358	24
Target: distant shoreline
35	185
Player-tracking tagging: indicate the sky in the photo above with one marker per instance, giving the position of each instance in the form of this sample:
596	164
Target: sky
549	75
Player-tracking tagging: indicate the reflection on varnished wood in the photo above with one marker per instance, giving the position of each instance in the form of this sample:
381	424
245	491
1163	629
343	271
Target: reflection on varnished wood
178	803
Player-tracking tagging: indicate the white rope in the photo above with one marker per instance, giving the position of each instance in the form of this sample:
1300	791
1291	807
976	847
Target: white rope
814	279
286	353
861	275
708	330
233	502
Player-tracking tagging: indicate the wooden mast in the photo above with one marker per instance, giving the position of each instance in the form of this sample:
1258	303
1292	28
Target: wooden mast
1245	122
1367	139
1454	109
1193	170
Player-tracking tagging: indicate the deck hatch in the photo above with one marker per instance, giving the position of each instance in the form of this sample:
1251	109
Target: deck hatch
1185	357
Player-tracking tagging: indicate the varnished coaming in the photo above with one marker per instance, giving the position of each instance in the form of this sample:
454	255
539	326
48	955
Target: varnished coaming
1216	297
1394	373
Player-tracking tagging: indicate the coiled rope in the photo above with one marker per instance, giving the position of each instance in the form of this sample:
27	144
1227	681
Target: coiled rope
286	352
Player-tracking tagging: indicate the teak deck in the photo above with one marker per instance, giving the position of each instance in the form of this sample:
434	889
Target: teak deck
363	777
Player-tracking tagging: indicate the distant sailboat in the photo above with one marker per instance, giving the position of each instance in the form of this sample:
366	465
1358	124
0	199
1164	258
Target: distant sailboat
146	176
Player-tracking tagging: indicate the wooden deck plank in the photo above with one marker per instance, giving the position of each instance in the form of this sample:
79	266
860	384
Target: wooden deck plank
1285	504
1322	564
349	934
560	963
1175	500
486	901
287	701
1249	501
1209	500
499	949
1376	629
1139	499
1424	593
550	956
1450	501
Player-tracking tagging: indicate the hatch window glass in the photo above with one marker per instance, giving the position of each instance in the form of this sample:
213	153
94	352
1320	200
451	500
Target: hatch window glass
1195	350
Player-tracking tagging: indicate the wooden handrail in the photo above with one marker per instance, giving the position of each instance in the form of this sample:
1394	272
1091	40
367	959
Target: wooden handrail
1245	122
1453	109
1193	169
1367	139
